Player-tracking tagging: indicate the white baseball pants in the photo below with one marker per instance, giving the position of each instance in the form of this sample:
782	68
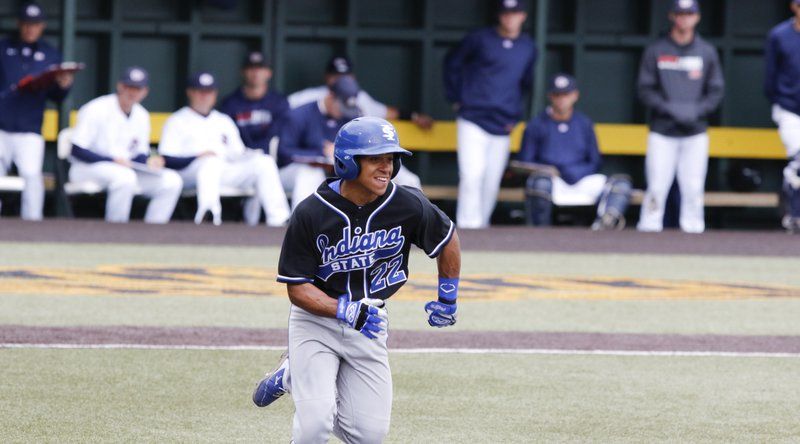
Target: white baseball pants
583	192
122	183
788	129
667	156
406	178
209	174
482	159
302	180
341	381
26	151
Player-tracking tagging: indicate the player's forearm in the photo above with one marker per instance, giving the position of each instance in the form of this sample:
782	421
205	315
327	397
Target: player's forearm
312	299
449	260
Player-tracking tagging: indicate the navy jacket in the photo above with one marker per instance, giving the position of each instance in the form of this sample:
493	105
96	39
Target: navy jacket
570	146
258	120
488	76
22	112
782	57
305	132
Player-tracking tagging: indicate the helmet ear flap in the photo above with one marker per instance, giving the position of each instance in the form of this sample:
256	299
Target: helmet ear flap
396	164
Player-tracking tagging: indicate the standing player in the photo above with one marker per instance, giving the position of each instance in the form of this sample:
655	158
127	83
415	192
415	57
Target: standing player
340	66
485	78
346	252
111	146
782	57
306	143
680	81
204	146
21	111
563	137
258	112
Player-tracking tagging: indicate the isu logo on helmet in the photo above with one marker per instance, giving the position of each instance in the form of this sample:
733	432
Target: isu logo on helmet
388	133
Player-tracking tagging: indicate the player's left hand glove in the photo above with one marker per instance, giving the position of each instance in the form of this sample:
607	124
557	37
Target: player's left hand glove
442	312
366	315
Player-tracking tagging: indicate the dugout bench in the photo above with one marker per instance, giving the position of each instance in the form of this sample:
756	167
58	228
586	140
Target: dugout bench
428	145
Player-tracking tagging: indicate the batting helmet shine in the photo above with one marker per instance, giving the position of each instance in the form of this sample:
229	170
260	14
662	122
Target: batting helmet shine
364	136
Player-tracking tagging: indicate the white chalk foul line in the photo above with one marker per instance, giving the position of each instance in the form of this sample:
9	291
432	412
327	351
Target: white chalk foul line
467	351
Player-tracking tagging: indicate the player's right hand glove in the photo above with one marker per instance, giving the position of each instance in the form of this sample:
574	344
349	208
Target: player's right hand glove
366	315
442	312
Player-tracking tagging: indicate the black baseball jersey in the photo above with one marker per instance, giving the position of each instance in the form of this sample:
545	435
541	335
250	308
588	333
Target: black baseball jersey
361	251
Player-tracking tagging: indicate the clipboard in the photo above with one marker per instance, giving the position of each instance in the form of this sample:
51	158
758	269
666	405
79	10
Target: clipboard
43	80
519	166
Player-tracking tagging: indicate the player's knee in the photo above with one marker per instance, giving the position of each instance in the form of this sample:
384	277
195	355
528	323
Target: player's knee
125	179
375	434
171	181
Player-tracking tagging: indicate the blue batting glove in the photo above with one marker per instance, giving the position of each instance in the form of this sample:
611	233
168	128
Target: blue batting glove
442	312
366	315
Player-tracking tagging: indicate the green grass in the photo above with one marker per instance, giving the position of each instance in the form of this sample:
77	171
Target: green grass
203	396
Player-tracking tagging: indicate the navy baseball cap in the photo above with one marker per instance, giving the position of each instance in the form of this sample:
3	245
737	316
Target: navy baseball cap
346	90
202	80
255	59
512	6
562	84
31	13
685	7
339	65
135	76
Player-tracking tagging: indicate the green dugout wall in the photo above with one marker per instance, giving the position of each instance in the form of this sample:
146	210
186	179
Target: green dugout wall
397	46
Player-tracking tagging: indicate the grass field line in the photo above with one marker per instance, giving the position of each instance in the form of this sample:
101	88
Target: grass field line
438	350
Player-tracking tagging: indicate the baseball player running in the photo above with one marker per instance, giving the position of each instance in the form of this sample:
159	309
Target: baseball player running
341	66
258	112
111	147
782	56
680	81
485	78
21	111
563	137
345	252
204	146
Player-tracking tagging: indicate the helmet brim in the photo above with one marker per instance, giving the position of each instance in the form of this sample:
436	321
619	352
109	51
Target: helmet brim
382	149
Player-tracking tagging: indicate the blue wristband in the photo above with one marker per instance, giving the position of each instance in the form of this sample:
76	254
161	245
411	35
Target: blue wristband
448	290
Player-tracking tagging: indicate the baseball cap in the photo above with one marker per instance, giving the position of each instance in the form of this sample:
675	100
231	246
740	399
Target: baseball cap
339	65
561	84
135	76
346	90
202	80
512	5
255	59
685	7
32	13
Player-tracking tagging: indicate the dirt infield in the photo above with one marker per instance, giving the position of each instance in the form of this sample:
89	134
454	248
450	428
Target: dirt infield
404	339
565	240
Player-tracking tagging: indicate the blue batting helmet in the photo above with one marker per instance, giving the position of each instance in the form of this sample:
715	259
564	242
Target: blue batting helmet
364	136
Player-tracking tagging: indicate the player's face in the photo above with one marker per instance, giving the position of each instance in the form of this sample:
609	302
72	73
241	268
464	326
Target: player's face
563	103
511	22
30	32
376	172
129	95
202	100
256	75
796	10
685	21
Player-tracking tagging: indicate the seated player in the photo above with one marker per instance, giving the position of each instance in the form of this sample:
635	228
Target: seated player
306	142
258	112
111	147
563	138
204	147
340	66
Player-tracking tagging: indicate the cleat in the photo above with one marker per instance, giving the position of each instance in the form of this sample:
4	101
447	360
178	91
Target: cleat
272	386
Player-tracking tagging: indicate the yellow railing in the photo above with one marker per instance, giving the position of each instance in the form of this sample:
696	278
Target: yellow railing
614	139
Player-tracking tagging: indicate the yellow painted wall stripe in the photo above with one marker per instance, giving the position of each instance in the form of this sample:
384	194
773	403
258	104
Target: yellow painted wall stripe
614	139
